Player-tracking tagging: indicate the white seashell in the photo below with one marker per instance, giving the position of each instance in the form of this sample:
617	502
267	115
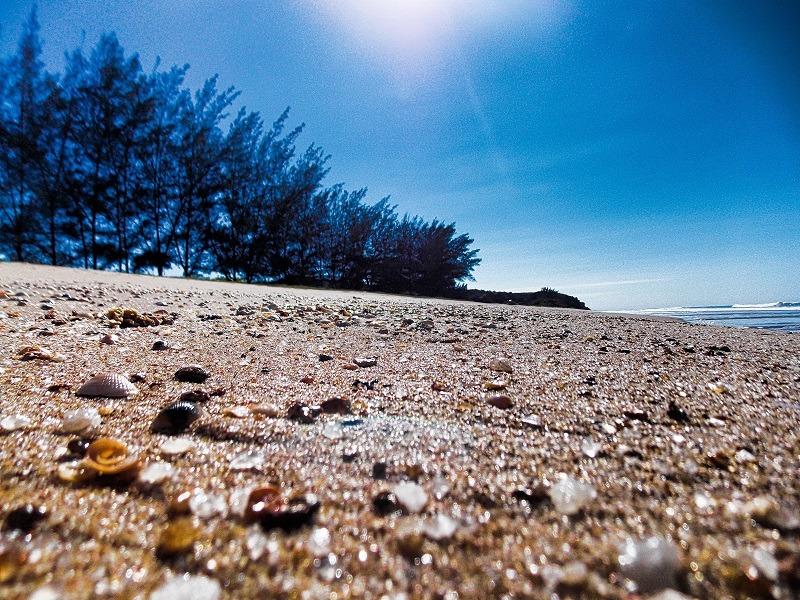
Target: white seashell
570	496
176	446
81	419
108	385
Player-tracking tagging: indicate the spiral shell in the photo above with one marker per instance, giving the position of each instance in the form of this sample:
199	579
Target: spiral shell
108	385
107	456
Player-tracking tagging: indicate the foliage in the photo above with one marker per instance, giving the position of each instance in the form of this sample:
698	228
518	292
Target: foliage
107	166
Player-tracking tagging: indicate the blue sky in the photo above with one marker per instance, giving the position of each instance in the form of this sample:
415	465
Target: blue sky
634	154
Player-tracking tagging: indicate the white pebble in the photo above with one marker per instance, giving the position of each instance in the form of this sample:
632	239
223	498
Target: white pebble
570	495
14	422
411	495
332	430
176	446
81	419
591	448
188	587
441	527
246	461
319	542
156	473
651	563
206	506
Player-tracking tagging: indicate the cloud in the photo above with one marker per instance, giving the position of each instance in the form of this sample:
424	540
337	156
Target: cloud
611	284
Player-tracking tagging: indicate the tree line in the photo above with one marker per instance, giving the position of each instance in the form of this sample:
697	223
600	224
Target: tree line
108	166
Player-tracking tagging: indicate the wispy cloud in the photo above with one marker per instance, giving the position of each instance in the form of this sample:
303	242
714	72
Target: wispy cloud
609	284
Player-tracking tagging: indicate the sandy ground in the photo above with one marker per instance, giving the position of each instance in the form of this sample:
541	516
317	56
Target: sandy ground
481	451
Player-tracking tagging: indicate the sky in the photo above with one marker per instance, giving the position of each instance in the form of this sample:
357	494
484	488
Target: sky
635	154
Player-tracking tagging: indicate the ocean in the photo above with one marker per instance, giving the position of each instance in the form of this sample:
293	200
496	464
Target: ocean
777	316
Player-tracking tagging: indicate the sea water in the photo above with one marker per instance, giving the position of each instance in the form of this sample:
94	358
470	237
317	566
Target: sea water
777	316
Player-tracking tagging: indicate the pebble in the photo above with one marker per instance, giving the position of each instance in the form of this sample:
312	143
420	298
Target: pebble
205	505
24	518
338	406
192	374
440	527
500	401
188	587
156	473
332	430
81	420
319	542
570	496
591	448
247	461
109	339
410	496
365	362
500	366
14	422
176	446
651	564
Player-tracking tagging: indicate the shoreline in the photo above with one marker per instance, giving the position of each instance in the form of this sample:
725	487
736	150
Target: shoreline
469	419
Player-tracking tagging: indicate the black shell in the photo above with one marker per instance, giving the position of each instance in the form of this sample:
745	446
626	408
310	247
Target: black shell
192	374
385	504
176	417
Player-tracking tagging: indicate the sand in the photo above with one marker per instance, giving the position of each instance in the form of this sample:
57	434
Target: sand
680	434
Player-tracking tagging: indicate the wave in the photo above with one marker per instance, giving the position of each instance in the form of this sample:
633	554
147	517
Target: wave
768	306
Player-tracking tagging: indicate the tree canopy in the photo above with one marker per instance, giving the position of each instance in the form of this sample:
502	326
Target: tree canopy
109	166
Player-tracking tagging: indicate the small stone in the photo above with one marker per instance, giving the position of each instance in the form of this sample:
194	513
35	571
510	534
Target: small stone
500	401
302	413
651	564
14	422
440	486
591	448
570	496
385	504
159	345
178	537
290	515
338	406
532	421
206	505
81	420
500	366
110	339
156	473
188	587
325	357
332	430
192	374
411	496
379	470
24	518
319	542
247	461
176	446
440	528
264	410
236	412
365	362
744	456
195	396
495	385
677	414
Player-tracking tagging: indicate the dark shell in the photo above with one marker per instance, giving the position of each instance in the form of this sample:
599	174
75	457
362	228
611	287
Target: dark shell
192	374
262	500
338	406
24	518
325	357
290	515
385	504
196	396
379	470
302	413
78	446
176	417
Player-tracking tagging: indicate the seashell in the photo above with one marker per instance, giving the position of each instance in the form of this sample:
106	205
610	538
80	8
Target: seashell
176	446
196	396
75	472
264	410
110	457
81	419
500	366
192	374
176	417
261	500
36	353
302	413
24	518
501	401
108	385
177	538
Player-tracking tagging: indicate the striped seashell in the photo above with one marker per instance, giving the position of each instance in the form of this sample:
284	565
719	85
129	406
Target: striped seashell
108	385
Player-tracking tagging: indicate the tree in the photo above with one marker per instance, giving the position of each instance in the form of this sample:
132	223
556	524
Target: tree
22	95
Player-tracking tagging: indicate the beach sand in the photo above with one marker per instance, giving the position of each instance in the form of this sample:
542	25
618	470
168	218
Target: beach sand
678	440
